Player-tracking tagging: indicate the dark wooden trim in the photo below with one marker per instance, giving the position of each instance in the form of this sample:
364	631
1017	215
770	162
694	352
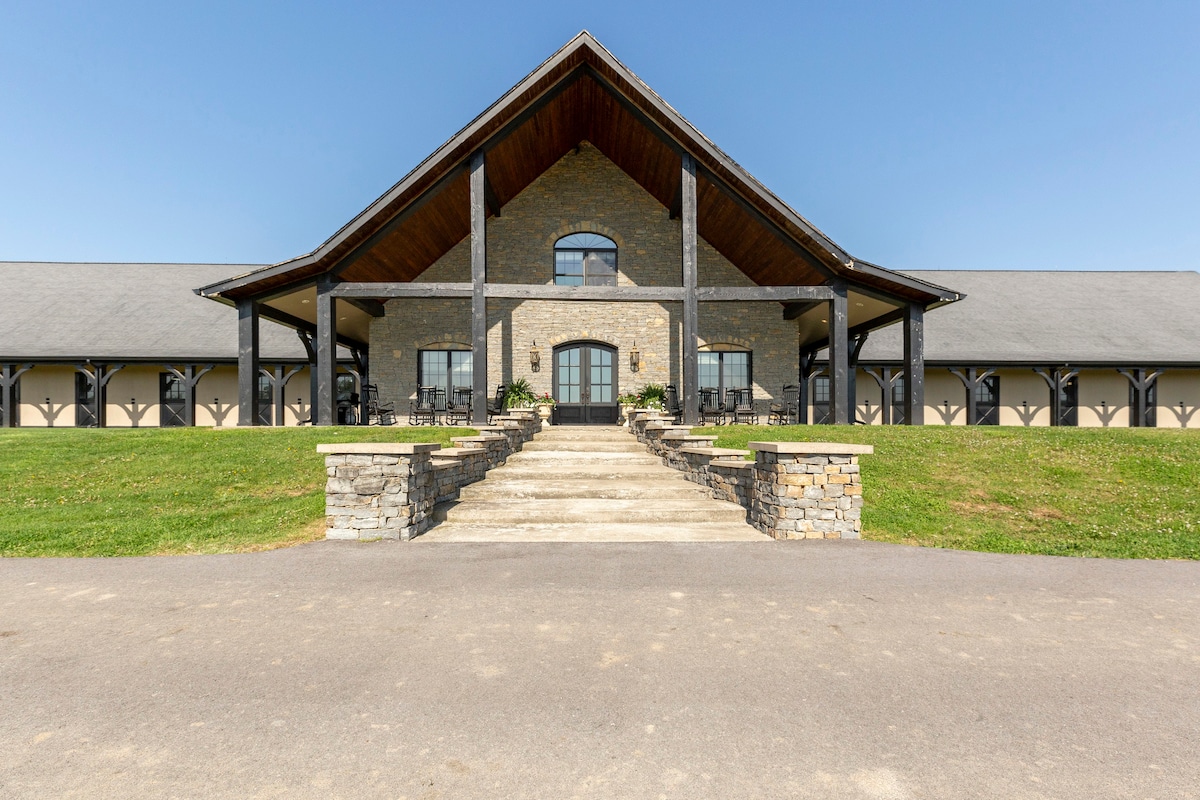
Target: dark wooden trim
795	310
1141	379
247	362
390	291
9	375
972	379
99	375
479	375
372	308
637	113
718	294
491	199
190	379
914	364
885	379
575	293
325	402
691	317
1056	378
808	359
839	358
279	380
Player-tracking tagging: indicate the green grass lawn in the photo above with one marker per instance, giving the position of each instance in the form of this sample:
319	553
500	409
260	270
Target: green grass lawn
112	492
1121	493
1115	493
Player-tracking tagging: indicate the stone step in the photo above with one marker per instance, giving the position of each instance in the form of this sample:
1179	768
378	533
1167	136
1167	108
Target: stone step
591	511
593	532
557	434
552	459
557	488
594	470
590	446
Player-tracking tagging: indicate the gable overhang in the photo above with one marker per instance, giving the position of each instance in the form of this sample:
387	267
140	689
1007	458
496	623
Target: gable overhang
581	93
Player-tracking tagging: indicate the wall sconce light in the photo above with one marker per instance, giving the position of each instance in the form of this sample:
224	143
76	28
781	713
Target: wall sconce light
535	358
635	358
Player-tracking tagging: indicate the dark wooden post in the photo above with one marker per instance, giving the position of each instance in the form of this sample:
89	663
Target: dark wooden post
325	403
852	388
247	362
306	339
1141	380
691	311
914	365
279	380
1056	378
99	375
9	375
479	370
885	380
972	379
839	357
362	361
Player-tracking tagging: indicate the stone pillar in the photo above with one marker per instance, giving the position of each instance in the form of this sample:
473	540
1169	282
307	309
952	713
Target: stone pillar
378	491
808	490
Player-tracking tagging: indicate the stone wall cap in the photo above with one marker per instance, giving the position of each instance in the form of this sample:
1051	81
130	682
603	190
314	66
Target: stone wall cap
458	452
378	448
684	436
486	437
731	463
715	452
812	448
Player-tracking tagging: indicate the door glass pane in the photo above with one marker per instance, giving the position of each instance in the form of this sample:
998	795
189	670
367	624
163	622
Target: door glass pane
568	365
601	375
737	370
460	369
708	367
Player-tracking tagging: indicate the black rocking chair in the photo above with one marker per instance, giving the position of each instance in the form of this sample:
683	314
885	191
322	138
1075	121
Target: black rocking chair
423	410
378	413
710	406
496	407
671	403
742	406
458	410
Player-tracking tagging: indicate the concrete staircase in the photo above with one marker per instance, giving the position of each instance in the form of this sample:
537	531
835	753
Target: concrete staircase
587	484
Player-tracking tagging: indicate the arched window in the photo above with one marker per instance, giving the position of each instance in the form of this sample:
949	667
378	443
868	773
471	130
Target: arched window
585	259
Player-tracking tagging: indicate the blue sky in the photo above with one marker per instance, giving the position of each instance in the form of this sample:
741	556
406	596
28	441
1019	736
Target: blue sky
917	135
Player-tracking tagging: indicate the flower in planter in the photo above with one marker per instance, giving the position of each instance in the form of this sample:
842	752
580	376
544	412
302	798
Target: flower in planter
544	399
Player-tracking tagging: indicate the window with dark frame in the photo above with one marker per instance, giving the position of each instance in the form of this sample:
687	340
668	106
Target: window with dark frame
723	369
444	369
585	259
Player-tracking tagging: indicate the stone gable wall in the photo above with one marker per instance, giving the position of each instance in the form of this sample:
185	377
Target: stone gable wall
584	191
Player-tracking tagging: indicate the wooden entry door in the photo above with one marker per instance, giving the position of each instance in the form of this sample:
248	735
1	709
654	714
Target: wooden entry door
585	384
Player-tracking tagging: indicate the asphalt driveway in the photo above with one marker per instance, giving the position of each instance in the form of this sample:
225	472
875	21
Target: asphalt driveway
793	669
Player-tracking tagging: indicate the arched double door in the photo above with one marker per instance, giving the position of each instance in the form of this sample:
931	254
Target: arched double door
585	384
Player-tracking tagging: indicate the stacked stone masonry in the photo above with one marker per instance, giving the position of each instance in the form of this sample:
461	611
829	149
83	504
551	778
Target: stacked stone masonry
792	490
387	491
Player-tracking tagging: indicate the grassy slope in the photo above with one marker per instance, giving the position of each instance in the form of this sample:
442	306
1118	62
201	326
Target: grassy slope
1119	493
153	491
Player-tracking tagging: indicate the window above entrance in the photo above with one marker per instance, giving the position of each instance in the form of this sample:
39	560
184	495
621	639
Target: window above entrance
585	259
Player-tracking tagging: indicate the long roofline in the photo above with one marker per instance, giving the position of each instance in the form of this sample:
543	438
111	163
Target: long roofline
695	138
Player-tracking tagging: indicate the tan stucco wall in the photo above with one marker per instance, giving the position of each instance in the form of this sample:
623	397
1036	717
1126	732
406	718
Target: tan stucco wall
56	383
1103	399
1175	387
584	191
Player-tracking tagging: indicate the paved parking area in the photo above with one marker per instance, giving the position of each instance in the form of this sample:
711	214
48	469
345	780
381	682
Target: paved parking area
791	669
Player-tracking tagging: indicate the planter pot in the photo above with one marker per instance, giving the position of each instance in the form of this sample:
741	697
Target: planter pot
625	409
544	411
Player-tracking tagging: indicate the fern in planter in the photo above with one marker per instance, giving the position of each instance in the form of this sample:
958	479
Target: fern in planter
519	395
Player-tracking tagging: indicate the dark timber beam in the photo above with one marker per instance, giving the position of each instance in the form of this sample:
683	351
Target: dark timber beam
856	347
99	375
808	368
279	380
302	326
1056	379
839	358
795	310
390	291
914	364
1141	380
308	340
718	294
247	362
479	375
325	403
691	343
886	380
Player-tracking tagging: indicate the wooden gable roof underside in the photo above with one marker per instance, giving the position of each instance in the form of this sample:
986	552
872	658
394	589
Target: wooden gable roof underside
580	93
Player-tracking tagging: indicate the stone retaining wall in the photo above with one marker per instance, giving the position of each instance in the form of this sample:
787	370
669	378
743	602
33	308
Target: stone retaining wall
388	490
792	490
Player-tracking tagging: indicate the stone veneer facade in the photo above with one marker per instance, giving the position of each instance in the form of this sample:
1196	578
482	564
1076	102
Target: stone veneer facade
584	191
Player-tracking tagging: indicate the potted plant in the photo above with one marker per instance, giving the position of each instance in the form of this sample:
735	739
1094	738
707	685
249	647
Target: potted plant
545	406
628	402
519	395
652	396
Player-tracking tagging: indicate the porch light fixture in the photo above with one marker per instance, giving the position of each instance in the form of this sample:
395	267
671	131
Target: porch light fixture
635	358
535	358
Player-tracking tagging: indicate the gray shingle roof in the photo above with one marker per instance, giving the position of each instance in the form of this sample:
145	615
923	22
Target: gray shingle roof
1128	318
124	311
